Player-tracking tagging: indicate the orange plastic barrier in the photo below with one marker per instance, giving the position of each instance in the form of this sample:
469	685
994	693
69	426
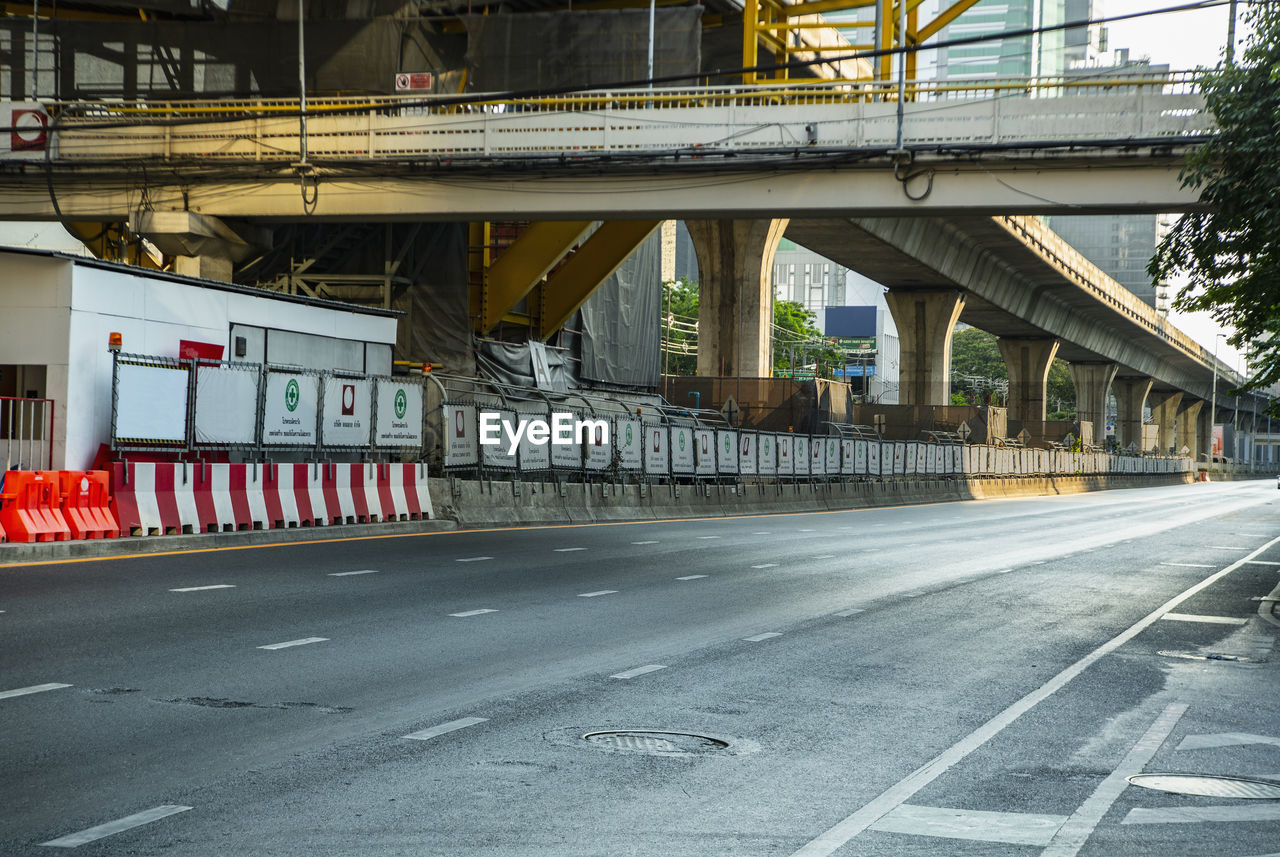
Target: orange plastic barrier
86	500
29	507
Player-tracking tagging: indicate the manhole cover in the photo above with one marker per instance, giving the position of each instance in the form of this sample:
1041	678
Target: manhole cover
648	741
1208	786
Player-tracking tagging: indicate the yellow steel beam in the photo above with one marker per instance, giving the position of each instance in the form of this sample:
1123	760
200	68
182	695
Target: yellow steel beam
819	7
750	48
523	265
113	242
945	17
574	281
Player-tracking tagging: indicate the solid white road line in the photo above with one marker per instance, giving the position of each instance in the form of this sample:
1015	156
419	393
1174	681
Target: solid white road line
597	593
568	550
35	688
1201	814
646	542
1014	828
692	577
464	614
1188	565
1212	620
835	837
445	728
638	671
767	635
1072	836
72	840
350	573
291	643
766	565
473	559
203	588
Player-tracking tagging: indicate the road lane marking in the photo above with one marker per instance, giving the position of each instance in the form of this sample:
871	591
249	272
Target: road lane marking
1188	565
766	565
568	550
1227	548
1013	828
597	593
305	641
692	577
1004	571
1261	562
1202	814
204	588
445	728
825	556
1211	620
639	671
806	531
1226	739
646	542
1072	836
767	635
473	559
851	611
35	688
73	840
708	537
350	573
464	614
763	533
836	836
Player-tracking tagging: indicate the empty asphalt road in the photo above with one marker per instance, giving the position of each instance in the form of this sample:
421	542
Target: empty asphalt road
964	679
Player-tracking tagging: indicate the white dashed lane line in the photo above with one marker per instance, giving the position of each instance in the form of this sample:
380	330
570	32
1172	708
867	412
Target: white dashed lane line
1188	565
647	542
1228	548
597	594
35	688
1210	620
352	573
852	611
1249	561
445	728
305	641
92	834
768	635
766	565
204	588
763	533
708	537
692	577
825	556
639	671
568	550
464	614
473	559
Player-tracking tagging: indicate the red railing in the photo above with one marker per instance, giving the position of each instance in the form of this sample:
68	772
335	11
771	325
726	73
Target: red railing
26	433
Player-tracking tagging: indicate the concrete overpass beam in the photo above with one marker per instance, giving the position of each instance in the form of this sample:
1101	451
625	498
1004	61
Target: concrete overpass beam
1188	424
925	320
735	294
1093	386
1164	410
1028	361
1131	398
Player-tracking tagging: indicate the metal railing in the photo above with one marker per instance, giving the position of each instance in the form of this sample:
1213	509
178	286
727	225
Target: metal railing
26	433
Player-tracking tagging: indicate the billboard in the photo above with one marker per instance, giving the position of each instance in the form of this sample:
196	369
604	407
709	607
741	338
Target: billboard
290	407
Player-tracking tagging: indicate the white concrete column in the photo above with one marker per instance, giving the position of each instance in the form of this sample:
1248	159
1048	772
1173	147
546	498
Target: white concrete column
1093	386
925	319
1188	426
1164	410
1131	398
1027	361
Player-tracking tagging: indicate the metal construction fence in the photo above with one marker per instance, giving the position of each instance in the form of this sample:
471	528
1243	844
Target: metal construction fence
26	433
574	444
160	403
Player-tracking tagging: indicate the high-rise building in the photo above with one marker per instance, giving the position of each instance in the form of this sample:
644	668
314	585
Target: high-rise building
1034	55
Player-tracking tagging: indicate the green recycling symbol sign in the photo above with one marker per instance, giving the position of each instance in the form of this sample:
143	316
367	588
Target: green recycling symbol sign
401	403
292	395
728	444
628	436
682	441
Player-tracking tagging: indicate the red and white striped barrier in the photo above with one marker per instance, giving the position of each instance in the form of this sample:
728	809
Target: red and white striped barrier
166	498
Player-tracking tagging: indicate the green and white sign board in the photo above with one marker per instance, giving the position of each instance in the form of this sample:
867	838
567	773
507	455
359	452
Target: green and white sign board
630	443
290	409
398	420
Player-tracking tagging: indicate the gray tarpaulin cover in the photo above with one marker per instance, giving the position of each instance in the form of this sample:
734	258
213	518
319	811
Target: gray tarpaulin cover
508	363
621	323
437	327
551	49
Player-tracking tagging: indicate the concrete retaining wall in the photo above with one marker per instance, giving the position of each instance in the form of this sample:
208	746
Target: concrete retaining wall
491	503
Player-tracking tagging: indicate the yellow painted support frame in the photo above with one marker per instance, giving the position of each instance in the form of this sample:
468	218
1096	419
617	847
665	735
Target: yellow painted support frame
523	265
600	255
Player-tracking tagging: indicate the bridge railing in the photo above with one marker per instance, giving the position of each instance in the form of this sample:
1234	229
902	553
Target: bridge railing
673	123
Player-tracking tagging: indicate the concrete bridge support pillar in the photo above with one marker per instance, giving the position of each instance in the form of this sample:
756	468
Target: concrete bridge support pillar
1164	410
1204	432
1131	397
925	320
1093	386
1188	426
1028	362
735	284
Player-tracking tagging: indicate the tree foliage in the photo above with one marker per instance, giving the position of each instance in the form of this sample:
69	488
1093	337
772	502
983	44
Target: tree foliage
975	354
1231	252
799	340
680	314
